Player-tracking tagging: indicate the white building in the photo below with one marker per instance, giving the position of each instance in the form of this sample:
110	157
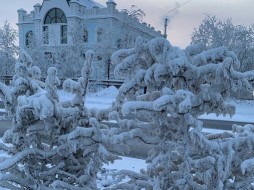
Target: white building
64	23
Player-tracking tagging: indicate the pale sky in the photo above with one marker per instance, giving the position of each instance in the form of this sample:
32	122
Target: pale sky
182	22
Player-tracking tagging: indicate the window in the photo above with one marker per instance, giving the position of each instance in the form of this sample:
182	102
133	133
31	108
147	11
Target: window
45	34
119	43
55	16
29	39
48	55
85	36
64	34
55	22
99	35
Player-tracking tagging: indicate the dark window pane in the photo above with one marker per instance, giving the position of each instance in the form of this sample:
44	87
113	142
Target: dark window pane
85	36
99	35
64	34
51	13
58	20
48	20
63	19
29	38
59	13
45	35
53	21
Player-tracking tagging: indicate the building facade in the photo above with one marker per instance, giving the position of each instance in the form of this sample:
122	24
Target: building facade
60	24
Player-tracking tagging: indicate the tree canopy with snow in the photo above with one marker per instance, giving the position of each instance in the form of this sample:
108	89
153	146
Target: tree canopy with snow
182	85
213	33
134	12
8	49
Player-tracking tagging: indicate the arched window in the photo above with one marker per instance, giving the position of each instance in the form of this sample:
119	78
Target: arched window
99	34
29	39
55	15
85	35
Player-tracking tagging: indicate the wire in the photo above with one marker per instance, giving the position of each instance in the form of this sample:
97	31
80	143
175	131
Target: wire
172	10
161	18
177	7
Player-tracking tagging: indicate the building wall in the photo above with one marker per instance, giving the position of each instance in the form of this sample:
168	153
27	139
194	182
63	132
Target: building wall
119	30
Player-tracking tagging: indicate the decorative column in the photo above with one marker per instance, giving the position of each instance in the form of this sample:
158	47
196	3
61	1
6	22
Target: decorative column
37	23
111	5
21	15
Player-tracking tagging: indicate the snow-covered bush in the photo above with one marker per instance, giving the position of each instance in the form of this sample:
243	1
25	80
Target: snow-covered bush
182	85
52	144
25	81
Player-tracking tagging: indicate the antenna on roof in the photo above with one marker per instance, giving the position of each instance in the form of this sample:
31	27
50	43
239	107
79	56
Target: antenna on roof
165	27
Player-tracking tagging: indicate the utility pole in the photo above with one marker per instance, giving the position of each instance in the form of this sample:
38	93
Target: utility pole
165	27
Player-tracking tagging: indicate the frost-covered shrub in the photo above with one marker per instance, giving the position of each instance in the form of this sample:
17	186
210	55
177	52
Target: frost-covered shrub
25	81
181	86
52	144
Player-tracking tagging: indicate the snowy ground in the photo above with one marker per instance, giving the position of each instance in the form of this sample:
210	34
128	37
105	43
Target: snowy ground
244	112
104	99
101	99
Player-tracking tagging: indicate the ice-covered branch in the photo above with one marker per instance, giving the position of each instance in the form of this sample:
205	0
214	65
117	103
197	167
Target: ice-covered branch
8	181
20	156
80	87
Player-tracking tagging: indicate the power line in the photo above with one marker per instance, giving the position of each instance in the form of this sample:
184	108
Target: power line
163	16
177	7
172	10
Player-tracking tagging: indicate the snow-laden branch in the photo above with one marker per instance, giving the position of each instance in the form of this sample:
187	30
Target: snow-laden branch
26	153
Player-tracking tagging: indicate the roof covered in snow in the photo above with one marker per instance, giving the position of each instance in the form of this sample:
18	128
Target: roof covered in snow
89	3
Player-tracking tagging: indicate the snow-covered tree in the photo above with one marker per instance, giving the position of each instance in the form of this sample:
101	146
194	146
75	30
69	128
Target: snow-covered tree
67	60
25	81
181	86
55	145
134	12
8	49
213	33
